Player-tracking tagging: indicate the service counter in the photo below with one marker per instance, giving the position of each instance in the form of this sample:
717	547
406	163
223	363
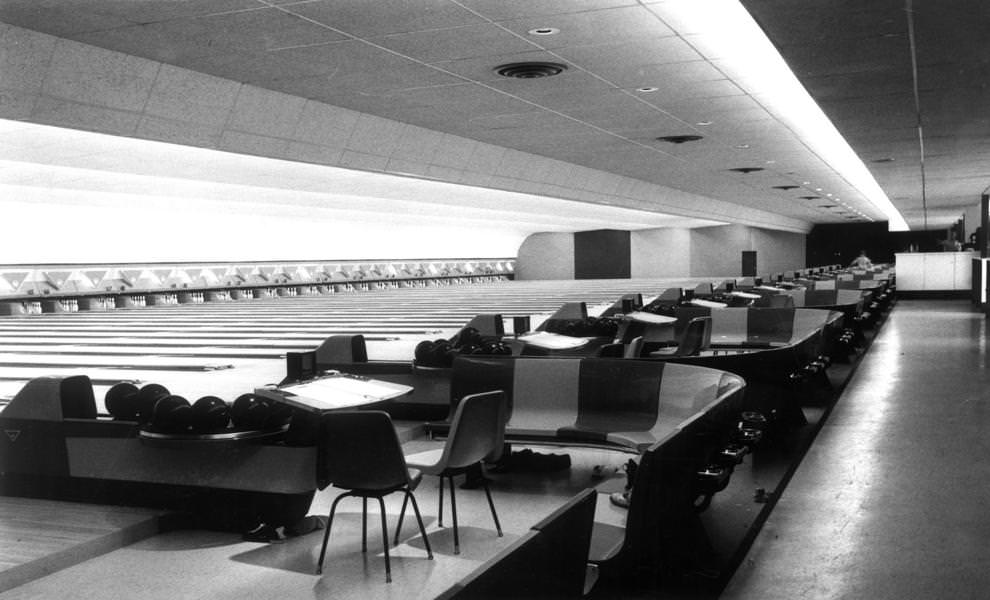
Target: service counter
935	272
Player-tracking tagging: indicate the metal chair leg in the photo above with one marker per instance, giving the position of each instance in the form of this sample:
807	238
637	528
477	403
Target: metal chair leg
388	562
364	525
422	530
453	512
440	510
402	514
491	505
326	535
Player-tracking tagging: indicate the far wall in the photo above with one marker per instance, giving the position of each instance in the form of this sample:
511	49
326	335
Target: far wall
669	252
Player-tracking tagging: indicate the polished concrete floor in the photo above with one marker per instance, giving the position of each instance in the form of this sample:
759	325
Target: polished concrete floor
893	498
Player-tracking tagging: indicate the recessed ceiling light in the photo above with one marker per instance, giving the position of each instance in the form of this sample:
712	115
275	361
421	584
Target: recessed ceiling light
647	89
829	195
771	162
703	123
742	146
544	31
679	139
805	183
530	70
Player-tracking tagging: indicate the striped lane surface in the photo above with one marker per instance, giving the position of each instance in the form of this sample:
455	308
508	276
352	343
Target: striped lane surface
227	348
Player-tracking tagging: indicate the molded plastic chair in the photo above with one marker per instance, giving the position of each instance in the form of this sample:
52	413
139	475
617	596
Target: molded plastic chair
633	348
697	336
360	452
477	434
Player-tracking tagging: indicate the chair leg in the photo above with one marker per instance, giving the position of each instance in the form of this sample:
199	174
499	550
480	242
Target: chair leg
388	562
326	535
491	505
440	510
419	519
364	525
453	512
402	514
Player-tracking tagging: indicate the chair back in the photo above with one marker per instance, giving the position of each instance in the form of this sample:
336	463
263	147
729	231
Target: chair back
697	337
477	430
360	450
634	348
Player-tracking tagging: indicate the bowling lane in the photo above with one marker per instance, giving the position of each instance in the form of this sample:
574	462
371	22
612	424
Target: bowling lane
227	348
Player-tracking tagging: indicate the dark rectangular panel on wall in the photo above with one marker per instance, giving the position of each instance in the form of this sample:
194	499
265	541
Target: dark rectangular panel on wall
841	242
602	254
748	263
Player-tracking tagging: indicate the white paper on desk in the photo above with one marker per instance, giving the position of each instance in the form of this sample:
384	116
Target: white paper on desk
338	392
553	341
708	304
645	317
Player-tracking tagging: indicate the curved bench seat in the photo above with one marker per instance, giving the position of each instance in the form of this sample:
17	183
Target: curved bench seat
607	402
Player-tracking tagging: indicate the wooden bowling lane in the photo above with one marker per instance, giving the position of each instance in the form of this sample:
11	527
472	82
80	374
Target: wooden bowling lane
242	344
43	536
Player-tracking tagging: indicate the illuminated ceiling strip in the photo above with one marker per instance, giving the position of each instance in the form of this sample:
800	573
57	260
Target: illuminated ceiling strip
726	34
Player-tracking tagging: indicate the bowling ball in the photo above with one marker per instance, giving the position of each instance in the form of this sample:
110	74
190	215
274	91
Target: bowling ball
210	415
468	336
121	401
250	412
279	416
423	352
146	399
172	414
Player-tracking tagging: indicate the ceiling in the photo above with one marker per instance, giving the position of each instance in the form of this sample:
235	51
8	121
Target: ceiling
635	71
855	60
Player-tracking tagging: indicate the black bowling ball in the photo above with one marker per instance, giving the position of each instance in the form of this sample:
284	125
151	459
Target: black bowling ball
250	412
146	399
423	352
210	415
121	401
172	414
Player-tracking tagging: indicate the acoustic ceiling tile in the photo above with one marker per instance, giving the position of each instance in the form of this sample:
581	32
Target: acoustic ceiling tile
62	21
150	12
515	9
180	94
174	131
313	153
99	77
363	162
325	125
375	135
25	59
592	26
361	18
249	143
455	43
416	143
65	113
265	112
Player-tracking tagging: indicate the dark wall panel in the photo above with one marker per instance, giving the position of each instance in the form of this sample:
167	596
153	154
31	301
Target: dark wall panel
602	254
840	243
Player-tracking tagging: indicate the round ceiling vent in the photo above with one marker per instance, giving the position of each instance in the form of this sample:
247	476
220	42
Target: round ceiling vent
680	139
530	70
